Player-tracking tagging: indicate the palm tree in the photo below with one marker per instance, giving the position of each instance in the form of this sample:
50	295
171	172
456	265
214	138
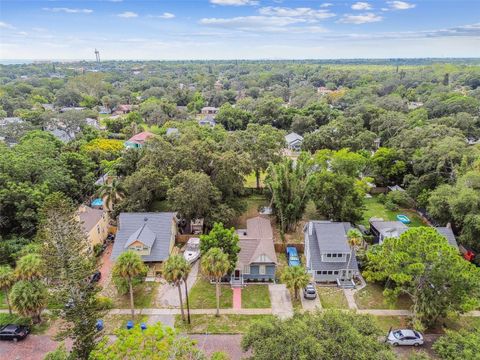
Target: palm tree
7	279
30	267
111	193
175	270
29	298
354	240
295	277
215	264
128	266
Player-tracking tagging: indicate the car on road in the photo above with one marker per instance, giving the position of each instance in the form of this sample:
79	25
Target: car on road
292	256
310	292
13	332
404	337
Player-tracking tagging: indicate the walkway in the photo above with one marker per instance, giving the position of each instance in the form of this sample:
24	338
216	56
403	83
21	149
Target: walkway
168	295
237	298
281	302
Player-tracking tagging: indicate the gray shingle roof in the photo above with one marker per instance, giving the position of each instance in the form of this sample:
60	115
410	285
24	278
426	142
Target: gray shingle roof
143	234
449	235
290	138
89	217
389	228
258	241
160	224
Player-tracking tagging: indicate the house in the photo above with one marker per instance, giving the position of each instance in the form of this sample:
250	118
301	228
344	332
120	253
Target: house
257	260
328	254
93	123
209	110
294	141
447	233
123	109
172	132
48	107
412	105
104	110
138	140
61	134
71	108
396	188
151	235
207	121
95	224
382	229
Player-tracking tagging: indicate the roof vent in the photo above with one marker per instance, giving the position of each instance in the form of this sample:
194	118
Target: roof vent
145	219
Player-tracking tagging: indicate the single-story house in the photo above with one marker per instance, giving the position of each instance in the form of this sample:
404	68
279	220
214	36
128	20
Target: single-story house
328	254
10	121
151	235
209	110
95	224
447	232
257	260
61	134
382	229
71	108
138	140
123	109
207	121
294	141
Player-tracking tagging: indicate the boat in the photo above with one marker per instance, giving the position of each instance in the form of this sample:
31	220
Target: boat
192	250
403	218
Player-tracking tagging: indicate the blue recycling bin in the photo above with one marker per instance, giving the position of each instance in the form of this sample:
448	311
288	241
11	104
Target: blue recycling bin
143	326
129	324
99	325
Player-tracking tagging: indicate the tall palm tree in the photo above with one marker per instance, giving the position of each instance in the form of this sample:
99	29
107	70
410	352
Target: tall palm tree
175	270
29	298
354	240
215	264
112	192
295	277
7	279
128	266
30	267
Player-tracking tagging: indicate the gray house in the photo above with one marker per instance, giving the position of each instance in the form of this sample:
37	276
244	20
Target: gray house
328	254
447	233
257	260
151	235
382	229
294	141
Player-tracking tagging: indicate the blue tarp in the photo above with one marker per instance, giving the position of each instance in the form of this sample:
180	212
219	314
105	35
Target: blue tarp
97	202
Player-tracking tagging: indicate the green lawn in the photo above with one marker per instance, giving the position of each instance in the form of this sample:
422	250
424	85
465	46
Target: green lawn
387	322
371	297
224	324
143	296
202	295
251	180
332	297
255	297
115	322
373	208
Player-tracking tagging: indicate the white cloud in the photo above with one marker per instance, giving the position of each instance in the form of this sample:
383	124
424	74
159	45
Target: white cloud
4	25
400	5
360	19
234	2
69	10
165	15
251	22
324	5
304	13
361	6
128	15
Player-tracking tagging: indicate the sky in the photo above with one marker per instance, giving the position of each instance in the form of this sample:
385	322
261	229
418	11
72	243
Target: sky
238	29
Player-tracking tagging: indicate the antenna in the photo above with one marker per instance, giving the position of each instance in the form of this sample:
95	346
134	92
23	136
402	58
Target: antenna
97	55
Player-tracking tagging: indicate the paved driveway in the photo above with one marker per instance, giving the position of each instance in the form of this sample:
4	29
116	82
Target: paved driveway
280	299
34	347
168	294
310	305
229	344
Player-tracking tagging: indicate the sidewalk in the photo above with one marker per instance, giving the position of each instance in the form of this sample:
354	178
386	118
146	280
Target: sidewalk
229	311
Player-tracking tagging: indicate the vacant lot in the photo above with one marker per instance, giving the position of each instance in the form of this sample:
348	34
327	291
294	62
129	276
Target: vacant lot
224	324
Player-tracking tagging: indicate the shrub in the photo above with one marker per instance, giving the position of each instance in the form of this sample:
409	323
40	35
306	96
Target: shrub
104	303
6	319
399	198
97	249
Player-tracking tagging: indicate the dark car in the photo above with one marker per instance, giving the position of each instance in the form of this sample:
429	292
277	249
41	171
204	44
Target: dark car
96	277
13	332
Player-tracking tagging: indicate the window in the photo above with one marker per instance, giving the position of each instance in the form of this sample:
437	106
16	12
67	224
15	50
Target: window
335	272
262	270
340	255
246	269
319	273
330	272
329	255
334	255
324	272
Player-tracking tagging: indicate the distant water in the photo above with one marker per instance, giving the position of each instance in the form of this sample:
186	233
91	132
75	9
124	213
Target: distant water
15	61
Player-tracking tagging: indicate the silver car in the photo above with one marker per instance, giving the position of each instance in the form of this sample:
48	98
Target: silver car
405	337
310	292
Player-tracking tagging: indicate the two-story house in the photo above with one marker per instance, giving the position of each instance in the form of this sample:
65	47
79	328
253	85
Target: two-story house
257	260
328	254
95	223
294	141
151	235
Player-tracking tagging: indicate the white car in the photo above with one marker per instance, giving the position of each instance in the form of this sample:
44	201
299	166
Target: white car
192	250
405	337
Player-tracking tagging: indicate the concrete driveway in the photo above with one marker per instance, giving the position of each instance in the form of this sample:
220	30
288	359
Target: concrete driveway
280	299
310	305
168	294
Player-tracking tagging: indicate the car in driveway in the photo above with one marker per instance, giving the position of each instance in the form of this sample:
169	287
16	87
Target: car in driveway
13	332
404	337
292	256
310	292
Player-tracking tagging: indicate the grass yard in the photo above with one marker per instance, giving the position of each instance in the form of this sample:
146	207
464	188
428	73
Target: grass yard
36	329
224	324
371	297
143	296
115	322
253	203
395	322
202	295
255	297
332	297
373	208
251	180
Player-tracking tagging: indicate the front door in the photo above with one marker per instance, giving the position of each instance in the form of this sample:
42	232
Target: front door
237	274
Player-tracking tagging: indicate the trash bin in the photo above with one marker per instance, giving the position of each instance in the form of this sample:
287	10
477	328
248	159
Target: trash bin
99	325
143	326
129	324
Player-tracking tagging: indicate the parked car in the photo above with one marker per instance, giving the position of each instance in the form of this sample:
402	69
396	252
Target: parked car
192	250
292	256
310	292
405	337
13	332
96	277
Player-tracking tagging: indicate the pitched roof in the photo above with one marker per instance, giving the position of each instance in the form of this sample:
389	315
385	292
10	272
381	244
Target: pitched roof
389	228
293	137
256	241
140	138
143	225
89	217
447	232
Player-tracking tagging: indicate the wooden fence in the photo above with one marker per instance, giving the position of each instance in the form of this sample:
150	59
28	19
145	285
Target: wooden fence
280	247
